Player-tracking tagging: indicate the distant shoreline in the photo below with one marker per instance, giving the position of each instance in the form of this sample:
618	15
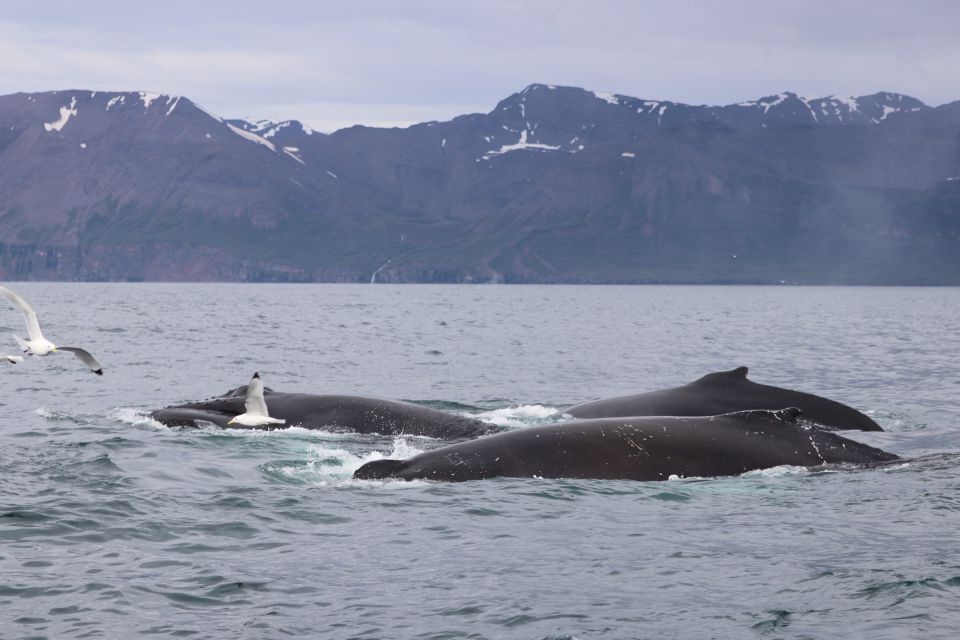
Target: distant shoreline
507	284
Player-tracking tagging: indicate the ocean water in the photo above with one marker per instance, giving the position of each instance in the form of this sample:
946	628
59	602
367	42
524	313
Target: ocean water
112	526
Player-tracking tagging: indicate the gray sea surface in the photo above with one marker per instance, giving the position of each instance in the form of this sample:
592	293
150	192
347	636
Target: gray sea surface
113	526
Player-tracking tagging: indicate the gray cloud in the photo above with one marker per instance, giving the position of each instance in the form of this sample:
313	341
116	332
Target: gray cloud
335	63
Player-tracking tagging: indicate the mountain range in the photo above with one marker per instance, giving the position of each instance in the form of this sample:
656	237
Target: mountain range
555	184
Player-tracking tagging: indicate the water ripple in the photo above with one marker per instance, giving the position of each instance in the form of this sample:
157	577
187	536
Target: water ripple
113	526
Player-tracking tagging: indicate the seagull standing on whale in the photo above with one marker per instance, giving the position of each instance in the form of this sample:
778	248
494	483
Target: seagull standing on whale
256	407
37	345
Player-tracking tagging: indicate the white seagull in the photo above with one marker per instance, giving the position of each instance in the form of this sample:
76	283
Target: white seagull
256	407
37	345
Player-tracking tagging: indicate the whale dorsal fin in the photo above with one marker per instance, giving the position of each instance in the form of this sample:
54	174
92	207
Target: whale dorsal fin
789	414
740	373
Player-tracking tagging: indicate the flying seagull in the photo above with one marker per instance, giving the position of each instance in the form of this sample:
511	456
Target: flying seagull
37	345
256	407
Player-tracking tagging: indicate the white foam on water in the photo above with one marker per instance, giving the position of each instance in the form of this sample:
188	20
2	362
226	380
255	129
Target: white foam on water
48	414
777	472
298	433
673	477
63	416
896	467
135	417
524	415
330	465
141	418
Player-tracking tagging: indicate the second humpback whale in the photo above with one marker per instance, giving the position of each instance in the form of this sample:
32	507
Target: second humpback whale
337	413
725	392
650	448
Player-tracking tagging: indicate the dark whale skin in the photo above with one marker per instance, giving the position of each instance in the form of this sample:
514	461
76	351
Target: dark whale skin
637	448
726	392
334	413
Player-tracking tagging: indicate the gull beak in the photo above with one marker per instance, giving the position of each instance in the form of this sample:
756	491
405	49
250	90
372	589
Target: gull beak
53	349
231	420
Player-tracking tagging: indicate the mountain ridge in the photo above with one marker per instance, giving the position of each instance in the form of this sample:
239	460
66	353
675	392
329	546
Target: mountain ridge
555	184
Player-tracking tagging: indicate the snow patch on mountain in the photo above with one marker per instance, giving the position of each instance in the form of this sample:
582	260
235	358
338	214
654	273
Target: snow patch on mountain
778	99
767	103
258	126
146	98
252	137
849	101
606	97
520	145
65	115
650	104
266	128
272	131
292	152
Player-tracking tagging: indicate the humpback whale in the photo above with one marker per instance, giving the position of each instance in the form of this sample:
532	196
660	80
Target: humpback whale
335	413
725	392
636	448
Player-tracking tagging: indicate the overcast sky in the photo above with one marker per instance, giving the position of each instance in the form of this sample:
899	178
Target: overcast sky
333	64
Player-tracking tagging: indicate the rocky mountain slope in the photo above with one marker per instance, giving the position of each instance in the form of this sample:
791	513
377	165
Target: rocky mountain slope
556	184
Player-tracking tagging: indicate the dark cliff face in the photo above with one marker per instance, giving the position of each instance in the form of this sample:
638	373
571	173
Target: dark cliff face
556	184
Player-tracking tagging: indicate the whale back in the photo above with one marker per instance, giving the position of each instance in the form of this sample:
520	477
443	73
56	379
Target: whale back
726	392
636	448
335	413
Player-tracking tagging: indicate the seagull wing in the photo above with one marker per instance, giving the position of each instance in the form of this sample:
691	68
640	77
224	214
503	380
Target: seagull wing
85	356
255	404
29	315
11	359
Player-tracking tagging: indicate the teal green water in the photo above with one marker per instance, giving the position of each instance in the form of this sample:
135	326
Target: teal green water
112	526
